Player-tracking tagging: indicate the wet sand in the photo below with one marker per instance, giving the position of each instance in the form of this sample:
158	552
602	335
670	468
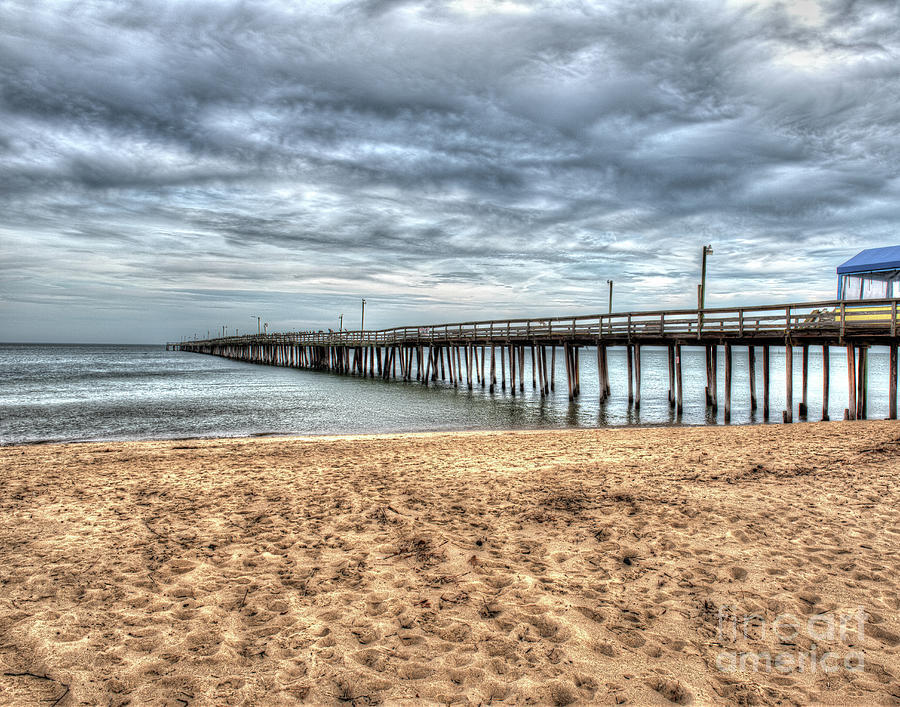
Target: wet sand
611	566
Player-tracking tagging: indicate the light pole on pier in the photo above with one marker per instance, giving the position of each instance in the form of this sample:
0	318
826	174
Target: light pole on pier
223	331
707	250
362	324
341	325
258	330
610	283
266	327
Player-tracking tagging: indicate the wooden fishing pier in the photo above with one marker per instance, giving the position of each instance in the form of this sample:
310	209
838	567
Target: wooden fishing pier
501	353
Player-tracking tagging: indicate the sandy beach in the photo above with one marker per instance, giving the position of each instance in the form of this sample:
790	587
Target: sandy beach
617	566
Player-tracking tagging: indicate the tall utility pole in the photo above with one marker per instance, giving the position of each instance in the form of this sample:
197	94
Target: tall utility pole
707	250
362	324
610	283
341	326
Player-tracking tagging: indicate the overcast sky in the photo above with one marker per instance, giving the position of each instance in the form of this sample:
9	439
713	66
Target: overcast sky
168	168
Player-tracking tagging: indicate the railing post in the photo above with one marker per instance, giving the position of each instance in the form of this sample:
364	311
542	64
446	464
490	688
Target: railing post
894	318
741	322
843	319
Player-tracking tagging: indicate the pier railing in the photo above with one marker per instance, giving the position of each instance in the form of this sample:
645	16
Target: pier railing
832	318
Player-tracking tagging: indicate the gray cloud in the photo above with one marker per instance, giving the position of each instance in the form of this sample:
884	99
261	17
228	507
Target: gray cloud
181	164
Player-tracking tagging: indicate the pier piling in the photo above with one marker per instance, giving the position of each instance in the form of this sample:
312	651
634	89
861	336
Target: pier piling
892	383
788	413
804	383
629	356
727	382
637	376
751	369
679	384
670	351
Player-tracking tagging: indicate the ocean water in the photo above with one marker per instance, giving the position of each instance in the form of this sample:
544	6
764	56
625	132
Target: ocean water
91	392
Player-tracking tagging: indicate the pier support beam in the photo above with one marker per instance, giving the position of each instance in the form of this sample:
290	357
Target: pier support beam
540	368
482	366
766	382
708	389
826	380
629	357
671	357
533	368
600	387
850	412
804	383
788	414
751	367
714	370
544	369
728	358
679	383
892	383
862	392
493	369
637	377
553	367
727	382
607	388
521	369
577	369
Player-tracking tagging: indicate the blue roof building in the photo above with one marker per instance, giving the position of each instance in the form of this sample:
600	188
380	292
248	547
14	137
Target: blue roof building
870	274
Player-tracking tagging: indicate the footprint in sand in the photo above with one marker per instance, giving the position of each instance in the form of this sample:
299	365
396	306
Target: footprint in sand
414	671
738	573
179	567
371	658
672	690
561	693
203	642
